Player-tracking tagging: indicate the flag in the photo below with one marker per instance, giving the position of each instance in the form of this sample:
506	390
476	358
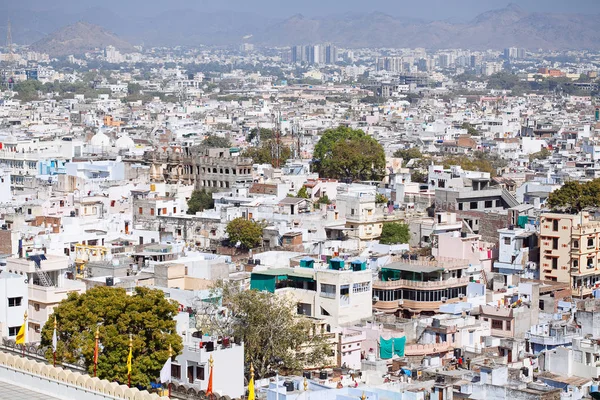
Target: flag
21	334
165	372
129	361
251	395
209	388
54	340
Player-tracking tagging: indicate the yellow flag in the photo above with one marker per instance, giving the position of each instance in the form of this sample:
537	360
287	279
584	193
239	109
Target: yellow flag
129	361
21	334
251	395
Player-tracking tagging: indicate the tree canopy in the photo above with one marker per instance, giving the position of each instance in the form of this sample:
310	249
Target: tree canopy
408	154
275	336
345	153
394	233
247	233
302	193
201	200
266	153
216	141
574	196
146	314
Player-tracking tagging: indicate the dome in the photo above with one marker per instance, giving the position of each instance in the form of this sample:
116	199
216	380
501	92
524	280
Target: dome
125	142
100	140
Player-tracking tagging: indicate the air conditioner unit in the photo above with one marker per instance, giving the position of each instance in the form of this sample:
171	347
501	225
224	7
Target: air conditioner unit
375	298
444	299
461	296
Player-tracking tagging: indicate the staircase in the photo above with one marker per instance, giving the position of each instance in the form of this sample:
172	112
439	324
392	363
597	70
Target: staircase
41	274
509	198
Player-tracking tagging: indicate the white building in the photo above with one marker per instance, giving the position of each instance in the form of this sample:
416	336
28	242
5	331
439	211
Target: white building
47	287
13	292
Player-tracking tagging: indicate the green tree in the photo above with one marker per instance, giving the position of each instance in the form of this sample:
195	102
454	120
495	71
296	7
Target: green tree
245	232
216	141
302	193
344	153
134	89
199	201
419	176
574	196
394	233
28	90
322	200
540	155
275	336
147	315
470	164
408	154
380	199
265	154
265	134
471	130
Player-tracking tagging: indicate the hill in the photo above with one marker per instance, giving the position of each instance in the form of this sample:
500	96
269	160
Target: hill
79	38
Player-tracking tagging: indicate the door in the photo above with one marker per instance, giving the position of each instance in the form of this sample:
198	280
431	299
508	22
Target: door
190	374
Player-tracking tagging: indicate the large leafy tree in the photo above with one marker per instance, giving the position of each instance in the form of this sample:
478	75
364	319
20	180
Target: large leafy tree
574	196
216	141
146	314
199	201
267	153
245	232
275	337
394	233
408	154
345	153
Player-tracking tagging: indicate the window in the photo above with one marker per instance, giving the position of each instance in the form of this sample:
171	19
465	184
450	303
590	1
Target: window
164	211
555	225
508	325
15	301
361	287
200	373
575	264
174	210
575	244
460	206
176	371
13	330
473	205
152	211
327	290
498	203
352	211
507	241
496	324
140	210
489	204
36	306
555	243
555	263
590	242
590	262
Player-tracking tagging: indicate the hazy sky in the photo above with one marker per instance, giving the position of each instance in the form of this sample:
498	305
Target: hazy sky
425	9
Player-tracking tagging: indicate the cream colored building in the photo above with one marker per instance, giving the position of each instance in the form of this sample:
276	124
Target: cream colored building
47	287
570	251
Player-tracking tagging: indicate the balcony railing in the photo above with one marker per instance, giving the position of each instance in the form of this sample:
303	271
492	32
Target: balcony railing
403	283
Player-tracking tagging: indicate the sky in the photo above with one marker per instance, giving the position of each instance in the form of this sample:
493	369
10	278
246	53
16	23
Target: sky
461	10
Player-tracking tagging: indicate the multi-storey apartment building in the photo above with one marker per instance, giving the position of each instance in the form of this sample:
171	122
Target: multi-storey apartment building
47	287
339	292
570	251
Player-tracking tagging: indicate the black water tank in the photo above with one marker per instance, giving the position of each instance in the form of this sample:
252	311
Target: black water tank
289	386
306	374
463	234
110	281
323	375
210	346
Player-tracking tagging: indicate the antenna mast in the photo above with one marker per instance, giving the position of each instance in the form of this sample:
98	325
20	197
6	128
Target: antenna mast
10	58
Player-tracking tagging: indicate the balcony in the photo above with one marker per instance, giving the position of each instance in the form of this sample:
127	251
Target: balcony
558	340
403	283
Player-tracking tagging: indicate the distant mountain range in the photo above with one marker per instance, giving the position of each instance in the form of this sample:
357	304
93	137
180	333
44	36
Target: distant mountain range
496	29
79	38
